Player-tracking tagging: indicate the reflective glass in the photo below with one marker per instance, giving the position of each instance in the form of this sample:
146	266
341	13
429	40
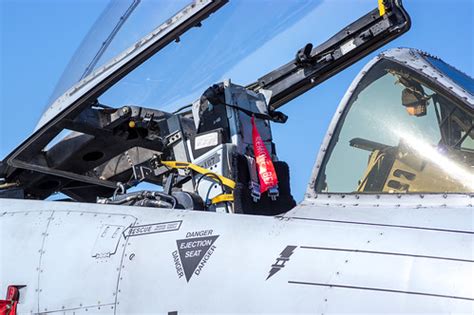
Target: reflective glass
139	17
460	78
399	135
242	41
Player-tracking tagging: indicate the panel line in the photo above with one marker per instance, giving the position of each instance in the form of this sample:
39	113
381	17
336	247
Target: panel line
386	253
381	290
385	225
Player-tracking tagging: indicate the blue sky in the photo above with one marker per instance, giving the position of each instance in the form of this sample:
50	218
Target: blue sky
38	37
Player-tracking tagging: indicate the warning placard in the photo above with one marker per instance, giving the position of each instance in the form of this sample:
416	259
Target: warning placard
194	252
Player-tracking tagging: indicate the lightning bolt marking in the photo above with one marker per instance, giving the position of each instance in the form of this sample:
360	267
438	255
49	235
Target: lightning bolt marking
280	261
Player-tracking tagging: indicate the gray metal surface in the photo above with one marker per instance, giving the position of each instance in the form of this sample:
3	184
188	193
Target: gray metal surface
316	259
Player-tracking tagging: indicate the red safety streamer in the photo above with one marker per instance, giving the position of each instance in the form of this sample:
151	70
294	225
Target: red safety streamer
8	306
4	307
266	170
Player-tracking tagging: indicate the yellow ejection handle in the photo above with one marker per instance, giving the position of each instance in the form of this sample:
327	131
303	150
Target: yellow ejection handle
381	7
201	170
222	198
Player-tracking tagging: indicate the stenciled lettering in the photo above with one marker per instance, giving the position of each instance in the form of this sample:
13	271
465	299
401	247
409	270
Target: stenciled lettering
199	233
204	260
177	264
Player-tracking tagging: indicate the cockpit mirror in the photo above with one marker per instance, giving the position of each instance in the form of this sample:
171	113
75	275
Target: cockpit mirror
415	103
413	97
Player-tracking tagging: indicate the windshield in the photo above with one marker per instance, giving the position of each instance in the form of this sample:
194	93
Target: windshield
243	41
399	135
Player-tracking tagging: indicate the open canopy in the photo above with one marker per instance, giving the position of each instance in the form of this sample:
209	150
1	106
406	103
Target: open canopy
242	41
86	131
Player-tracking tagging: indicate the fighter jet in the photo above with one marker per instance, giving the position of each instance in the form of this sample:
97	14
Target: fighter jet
191	211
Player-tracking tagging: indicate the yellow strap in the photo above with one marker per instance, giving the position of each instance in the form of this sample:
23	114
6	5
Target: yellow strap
222	198
201	170
381	7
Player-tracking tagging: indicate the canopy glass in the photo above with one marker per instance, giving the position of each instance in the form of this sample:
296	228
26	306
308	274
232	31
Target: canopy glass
243	41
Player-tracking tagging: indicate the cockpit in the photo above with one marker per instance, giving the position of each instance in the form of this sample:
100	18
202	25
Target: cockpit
203	142
401	132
